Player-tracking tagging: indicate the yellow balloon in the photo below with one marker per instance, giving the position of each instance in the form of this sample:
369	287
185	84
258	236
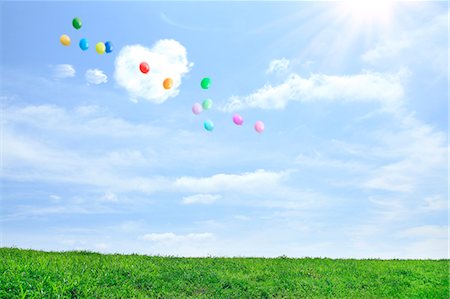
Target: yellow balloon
100	48
65	40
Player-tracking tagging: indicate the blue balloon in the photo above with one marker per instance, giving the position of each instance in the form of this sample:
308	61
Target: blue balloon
84	44
109	47
209	125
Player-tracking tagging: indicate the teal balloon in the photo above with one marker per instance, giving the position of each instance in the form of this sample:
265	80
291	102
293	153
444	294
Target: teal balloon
208	125
206	83
207	104
84	44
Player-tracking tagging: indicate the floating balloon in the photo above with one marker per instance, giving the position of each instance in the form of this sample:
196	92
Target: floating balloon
207	104
65	40
259	126
144	67
100	48
238	120
76	23
208	125
108	47
168	83
206	83
84	44
197	108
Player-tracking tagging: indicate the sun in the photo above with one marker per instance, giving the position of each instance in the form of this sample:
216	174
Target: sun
372	12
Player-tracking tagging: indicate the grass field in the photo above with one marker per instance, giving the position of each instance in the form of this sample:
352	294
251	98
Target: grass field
37	274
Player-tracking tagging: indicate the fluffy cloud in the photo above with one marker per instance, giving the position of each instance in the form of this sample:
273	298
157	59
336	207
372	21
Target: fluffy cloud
167	59
278	65
61	71
96	76
368	86
200	198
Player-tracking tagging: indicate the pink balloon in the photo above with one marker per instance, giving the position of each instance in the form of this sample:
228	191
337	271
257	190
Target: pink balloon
238	120
259	126
197	108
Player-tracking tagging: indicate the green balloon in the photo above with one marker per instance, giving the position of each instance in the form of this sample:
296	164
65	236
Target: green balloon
207	104
206	83
76	23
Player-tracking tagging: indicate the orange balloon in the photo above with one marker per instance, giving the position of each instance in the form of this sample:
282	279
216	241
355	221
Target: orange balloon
168	83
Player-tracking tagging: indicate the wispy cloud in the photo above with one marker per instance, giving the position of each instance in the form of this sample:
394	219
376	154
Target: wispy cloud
424	46
200	199
166	59
278	66
171	237
385	88
249	182
428	231
418	153
61	71
95	76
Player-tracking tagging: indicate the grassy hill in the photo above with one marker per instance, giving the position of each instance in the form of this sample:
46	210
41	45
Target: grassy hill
37	274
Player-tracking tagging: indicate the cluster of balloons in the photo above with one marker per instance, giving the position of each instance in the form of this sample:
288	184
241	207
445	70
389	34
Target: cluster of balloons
197	108
145	68
100	47
238	120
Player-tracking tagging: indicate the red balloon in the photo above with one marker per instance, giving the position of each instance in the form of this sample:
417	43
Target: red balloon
144	67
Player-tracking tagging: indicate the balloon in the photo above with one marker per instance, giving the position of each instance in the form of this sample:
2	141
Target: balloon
206	83
108	47
167	84
208	125
100	48
238	120
144	67
207	104
259	126
76	23
197	108
84	44
65	40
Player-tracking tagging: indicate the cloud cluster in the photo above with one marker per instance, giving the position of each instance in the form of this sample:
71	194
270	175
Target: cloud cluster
167	59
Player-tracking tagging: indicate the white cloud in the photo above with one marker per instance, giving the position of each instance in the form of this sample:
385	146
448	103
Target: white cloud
365	87
248	182
85	121
61	71
425	46
167	59
278	66
171	237
96	76
436	203
55	198
427	231
110	197
418	154
200	199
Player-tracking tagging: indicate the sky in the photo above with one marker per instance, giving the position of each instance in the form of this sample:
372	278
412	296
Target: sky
353	161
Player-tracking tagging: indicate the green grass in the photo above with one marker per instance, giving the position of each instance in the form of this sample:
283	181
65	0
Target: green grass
37	274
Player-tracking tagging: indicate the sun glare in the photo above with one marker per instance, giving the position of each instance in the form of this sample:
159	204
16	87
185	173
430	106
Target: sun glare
369	11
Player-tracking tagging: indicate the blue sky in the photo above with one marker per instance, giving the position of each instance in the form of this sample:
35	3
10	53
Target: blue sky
352	163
